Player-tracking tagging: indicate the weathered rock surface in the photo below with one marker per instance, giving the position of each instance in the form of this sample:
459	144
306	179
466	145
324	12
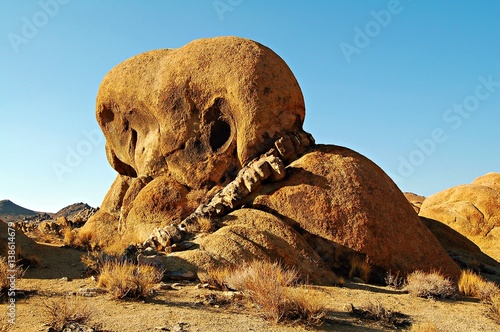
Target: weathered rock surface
250	234
25	248
77	213
472	210
188	111
415	200
340	196
463	251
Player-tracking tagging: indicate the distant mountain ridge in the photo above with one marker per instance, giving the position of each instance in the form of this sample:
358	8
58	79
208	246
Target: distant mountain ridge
10	211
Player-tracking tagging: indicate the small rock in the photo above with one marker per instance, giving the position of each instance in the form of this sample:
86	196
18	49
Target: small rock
90	292
205	285
155	260
164	286
358	280
180	247
64	279
174	233
150	251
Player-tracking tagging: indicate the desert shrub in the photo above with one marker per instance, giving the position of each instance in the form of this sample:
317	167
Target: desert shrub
206	225
94	261
63	311
304	306
264	284
430	285
270	287
360	268
376	312
216	277
127	280
394	280
69	237
424	327
494	310
472	284
85	239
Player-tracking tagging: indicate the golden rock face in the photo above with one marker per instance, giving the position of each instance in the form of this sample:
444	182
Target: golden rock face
199	111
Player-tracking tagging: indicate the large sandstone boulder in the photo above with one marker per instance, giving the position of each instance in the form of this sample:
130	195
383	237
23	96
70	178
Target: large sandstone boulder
472	210
463	251
340	196
188	111
247	235
183	124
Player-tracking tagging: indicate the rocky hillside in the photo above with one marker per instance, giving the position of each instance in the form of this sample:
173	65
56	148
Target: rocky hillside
78	212
10	211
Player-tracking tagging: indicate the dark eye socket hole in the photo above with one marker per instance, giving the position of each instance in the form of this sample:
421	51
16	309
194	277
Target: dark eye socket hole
220	132
133	140
107	115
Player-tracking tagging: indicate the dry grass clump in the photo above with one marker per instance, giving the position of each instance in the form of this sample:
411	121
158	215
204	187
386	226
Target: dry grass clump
206	225
94	261
360	268
494	310
430	285
63	311
305	306
216	277
376	312
81	238
472	284
127	280
69	237
394	280
269	286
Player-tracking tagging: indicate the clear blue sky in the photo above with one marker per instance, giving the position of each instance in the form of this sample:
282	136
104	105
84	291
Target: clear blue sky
377	76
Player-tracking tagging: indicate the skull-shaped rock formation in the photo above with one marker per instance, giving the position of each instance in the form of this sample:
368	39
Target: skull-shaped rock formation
202	130
188	112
